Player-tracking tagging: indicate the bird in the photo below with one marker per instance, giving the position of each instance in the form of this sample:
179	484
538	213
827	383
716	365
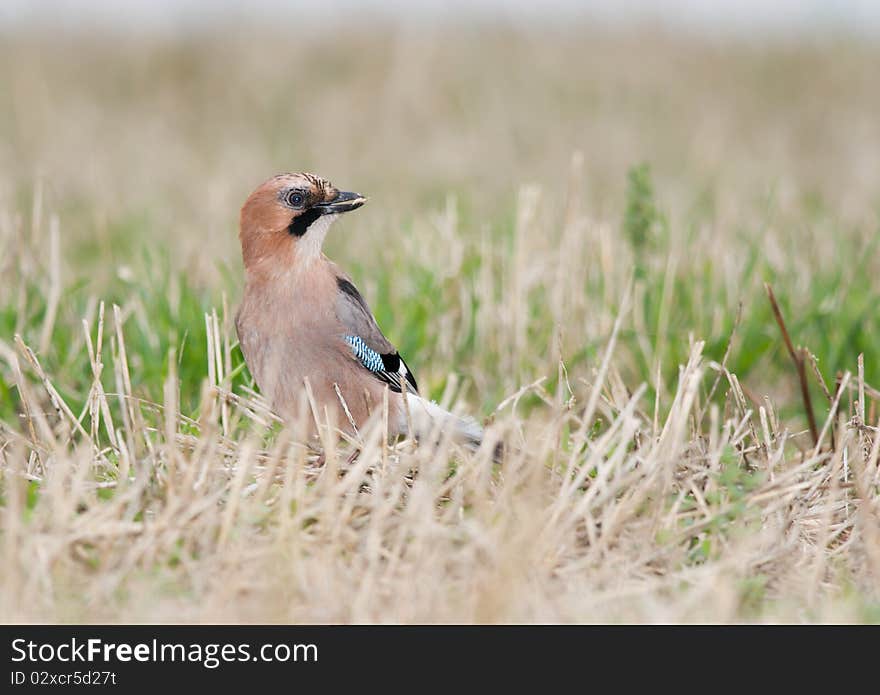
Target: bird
307	334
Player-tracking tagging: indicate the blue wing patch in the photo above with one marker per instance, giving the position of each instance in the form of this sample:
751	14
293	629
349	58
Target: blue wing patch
371	359
389	368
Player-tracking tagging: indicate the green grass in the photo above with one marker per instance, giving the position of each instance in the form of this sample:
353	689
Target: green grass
836	320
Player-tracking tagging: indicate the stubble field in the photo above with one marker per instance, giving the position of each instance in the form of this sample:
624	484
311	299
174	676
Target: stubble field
568	236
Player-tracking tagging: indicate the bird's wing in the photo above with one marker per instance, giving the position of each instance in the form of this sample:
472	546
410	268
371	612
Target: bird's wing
368	345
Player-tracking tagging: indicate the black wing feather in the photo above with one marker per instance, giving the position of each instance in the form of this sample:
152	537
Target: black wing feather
392	374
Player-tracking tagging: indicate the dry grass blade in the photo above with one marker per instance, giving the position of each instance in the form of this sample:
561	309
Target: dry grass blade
798	358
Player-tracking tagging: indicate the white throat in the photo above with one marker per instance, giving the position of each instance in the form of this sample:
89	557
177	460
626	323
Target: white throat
310	244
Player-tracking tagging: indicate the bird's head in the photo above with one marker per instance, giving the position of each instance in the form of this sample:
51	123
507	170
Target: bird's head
290	214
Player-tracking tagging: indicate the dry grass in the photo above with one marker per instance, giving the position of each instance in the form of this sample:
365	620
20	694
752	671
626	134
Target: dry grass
645	520
649	477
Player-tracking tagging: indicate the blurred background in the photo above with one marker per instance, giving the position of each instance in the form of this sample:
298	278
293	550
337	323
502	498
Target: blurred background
481	127
723	16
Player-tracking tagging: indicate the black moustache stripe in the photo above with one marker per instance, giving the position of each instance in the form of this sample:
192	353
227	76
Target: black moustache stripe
300	224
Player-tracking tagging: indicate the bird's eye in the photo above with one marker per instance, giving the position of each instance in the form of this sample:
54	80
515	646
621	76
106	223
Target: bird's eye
295	199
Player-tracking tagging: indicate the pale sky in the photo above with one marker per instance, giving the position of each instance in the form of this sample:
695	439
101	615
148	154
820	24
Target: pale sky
774	16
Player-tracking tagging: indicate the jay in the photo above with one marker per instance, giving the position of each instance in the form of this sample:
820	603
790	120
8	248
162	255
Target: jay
303	321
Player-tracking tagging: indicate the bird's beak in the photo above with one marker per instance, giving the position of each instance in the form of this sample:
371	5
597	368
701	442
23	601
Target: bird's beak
345	201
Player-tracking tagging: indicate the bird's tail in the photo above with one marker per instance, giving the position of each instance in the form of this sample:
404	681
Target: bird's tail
428	419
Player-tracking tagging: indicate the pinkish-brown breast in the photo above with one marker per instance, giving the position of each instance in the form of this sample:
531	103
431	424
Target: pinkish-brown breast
289	332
